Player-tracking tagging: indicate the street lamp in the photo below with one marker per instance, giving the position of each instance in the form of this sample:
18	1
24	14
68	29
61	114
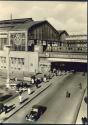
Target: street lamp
7	52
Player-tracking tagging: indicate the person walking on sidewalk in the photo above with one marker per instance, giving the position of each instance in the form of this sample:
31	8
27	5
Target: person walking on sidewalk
32	80
36	83
44	79
29	91
15	79
20	97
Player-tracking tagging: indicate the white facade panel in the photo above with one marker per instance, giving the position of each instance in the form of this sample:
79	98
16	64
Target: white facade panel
20	61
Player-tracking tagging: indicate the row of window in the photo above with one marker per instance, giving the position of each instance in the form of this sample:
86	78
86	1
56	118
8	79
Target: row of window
18	48
13	60
3	59
3	67
16	68
17	60
67	48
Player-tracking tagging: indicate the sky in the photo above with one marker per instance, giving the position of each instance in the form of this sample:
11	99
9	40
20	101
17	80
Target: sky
69	16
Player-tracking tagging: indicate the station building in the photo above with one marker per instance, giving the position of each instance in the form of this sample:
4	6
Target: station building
24	34
29	38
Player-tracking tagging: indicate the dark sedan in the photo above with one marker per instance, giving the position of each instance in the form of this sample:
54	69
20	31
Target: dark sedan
35	113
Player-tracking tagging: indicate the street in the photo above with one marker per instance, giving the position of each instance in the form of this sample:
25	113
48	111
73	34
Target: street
60	109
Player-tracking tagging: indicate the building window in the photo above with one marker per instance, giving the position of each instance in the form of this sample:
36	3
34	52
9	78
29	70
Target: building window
22	60
3	42
18	41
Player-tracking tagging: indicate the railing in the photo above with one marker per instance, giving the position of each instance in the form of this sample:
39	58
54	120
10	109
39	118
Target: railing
66	49
63	55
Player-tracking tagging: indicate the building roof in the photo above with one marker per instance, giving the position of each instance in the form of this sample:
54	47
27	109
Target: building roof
27	25
78	35
9	24
23	24
62	31
12	21
18	24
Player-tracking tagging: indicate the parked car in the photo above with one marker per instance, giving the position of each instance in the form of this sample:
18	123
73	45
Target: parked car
5	108
35	113
1	107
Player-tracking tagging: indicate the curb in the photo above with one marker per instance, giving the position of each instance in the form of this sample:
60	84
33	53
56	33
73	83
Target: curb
79	106
12	97
25	103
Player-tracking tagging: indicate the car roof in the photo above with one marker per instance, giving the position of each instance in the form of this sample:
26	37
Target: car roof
38	106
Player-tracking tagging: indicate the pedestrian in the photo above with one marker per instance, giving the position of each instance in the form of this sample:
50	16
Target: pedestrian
80	85
29	91
44	79
67	94
36	83
26	85
54	71
16	79
1	107
20	97
32	81
17	87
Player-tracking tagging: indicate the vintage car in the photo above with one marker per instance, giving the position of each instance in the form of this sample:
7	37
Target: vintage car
35	113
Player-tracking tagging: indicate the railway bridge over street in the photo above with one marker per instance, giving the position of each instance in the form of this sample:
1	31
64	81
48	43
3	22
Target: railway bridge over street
77	61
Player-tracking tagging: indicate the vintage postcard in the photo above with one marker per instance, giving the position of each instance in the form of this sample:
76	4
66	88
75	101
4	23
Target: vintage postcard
43	62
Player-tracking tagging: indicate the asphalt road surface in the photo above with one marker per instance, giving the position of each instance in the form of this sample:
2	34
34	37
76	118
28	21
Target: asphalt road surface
60	110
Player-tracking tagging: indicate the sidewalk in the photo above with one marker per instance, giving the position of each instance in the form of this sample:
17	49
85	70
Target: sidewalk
4	91
82	111
28	98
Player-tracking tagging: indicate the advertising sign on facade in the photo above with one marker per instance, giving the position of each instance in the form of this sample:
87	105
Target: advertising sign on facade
27	78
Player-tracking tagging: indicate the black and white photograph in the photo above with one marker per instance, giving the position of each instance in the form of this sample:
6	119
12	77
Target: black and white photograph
43	62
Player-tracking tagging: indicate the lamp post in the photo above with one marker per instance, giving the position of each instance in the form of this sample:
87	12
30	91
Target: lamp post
7	51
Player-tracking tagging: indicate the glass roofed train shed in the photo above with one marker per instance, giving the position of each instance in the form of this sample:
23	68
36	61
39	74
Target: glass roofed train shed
27	35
